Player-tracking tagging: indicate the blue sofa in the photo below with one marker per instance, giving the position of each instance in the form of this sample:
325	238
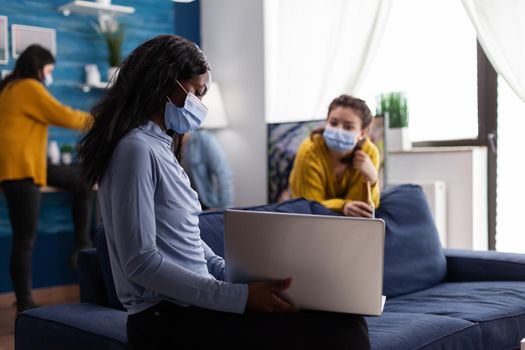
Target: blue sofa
436	299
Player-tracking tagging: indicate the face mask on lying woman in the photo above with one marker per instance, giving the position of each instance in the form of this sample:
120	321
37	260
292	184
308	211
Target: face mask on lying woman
340	140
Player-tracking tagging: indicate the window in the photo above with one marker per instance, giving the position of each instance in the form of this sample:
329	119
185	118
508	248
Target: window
429	51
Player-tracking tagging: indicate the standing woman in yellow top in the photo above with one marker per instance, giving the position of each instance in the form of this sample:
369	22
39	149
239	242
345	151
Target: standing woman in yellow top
332	165
26	110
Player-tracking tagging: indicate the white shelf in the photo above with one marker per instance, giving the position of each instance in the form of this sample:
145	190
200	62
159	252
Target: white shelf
100	85
94	8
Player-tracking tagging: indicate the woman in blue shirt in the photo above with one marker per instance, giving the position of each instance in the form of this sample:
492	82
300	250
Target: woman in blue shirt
168	279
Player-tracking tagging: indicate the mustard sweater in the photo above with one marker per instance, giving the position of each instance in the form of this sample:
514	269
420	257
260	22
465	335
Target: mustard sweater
313	175
26	110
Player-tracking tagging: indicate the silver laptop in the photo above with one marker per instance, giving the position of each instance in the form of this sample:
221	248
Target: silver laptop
336	263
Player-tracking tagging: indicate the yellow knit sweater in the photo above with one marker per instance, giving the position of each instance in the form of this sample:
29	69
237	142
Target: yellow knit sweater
26	110
313	175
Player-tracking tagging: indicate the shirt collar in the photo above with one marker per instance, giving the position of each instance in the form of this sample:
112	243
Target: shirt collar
151	128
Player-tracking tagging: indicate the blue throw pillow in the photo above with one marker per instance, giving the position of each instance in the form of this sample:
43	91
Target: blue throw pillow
414	258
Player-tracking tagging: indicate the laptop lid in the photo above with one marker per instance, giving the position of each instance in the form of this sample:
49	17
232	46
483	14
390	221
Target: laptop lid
335	262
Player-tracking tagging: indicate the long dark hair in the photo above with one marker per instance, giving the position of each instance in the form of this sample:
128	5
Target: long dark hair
146	77
29	64
363	112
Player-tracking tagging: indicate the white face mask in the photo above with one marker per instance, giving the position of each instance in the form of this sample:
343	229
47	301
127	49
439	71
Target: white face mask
48	80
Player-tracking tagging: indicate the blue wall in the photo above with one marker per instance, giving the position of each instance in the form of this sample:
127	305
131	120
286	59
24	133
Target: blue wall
187	20
77	45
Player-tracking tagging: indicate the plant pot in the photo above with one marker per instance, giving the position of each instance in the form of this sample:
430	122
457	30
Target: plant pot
66	158
112	74
397	139
92	74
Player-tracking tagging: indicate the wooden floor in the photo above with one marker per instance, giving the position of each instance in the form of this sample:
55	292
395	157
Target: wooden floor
42	296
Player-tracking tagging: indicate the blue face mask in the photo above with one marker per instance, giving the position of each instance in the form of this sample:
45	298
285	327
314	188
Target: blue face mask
48	80
187	118
339	140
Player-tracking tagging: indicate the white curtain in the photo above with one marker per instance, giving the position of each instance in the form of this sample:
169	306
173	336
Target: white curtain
500	27
316	50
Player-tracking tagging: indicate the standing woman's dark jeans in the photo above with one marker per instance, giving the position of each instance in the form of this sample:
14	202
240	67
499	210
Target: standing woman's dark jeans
23	201
168	326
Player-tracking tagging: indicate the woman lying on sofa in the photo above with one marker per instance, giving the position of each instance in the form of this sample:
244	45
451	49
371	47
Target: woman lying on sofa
338	164
168	279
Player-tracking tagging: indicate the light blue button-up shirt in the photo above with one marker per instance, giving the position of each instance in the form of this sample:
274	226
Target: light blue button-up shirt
207	166
150	215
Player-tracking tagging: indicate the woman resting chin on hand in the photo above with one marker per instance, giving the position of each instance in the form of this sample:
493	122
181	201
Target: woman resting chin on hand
338	162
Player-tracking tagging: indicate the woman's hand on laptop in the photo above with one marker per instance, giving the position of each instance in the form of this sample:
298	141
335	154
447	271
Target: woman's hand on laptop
357	208
263	297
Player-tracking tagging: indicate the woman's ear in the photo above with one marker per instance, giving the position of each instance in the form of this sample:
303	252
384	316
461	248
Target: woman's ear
177	96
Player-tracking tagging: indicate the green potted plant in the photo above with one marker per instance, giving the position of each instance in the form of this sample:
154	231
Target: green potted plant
113	34
393	106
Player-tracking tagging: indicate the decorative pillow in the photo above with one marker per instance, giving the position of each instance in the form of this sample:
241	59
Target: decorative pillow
414	258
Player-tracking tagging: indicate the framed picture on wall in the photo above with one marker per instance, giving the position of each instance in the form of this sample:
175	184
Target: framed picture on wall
283	141
23	36
4	57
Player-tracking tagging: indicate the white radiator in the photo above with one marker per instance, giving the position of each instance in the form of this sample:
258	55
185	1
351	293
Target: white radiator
435	191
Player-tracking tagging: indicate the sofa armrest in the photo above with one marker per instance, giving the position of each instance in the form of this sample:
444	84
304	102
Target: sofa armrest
92	288
468	265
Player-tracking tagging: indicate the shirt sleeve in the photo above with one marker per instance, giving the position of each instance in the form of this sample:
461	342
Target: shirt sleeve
133	216
307	181
220	169
48	110
215	262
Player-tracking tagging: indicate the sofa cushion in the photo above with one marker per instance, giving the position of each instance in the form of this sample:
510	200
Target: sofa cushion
393	331
76	326
414	258
499	307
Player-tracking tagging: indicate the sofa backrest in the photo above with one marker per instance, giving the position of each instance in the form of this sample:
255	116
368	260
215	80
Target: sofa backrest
105	267
414	258
92	286
212	232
